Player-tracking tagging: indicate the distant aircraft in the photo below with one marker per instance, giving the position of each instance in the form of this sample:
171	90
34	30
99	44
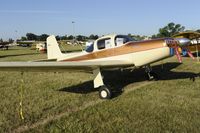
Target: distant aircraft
107	52
42	47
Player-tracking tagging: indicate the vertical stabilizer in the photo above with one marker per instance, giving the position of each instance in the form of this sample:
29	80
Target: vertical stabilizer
53	50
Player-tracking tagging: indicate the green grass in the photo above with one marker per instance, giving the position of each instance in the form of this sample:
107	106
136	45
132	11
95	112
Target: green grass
70	48
67	102
20	54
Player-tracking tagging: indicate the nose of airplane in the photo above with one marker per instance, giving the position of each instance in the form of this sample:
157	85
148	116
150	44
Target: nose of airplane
183	41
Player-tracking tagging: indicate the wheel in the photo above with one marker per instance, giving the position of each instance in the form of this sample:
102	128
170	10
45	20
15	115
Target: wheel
155	75
104	92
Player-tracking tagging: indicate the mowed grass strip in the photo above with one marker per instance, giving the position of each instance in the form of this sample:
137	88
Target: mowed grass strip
171	104
168	105
63	114
165	106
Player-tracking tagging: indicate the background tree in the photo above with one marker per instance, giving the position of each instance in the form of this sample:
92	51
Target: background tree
31	36
64	37
81	38
93	37
169	30
58	38
23	38
137	37
70	37
1	40
43	37
198	30
10	40
96	37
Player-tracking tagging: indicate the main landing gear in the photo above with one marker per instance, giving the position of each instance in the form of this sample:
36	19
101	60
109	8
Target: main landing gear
104	91
150	75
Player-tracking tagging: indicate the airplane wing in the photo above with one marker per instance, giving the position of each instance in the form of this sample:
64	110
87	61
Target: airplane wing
61	66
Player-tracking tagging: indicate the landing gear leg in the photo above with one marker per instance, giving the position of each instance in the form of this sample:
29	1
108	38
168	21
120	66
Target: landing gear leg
150	75
104	91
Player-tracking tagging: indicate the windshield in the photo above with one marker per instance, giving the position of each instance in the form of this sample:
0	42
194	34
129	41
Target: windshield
89	47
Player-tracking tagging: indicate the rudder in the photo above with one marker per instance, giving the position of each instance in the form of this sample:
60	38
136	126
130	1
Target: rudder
53	50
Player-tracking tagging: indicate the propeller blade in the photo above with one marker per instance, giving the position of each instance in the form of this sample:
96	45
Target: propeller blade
190	54
178	55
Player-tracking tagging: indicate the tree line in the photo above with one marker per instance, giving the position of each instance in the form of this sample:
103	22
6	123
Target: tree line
10	40
171	29
167	31
43	37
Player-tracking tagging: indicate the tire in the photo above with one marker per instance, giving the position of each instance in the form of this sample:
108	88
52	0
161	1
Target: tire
104	92
155	76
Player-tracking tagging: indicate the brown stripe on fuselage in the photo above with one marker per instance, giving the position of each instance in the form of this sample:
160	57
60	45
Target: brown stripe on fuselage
130	47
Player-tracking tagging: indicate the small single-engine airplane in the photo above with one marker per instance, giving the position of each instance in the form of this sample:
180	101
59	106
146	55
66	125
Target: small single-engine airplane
41	47
107	52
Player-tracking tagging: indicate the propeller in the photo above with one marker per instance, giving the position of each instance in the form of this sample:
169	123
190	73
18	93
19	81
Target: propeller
178	54
181	43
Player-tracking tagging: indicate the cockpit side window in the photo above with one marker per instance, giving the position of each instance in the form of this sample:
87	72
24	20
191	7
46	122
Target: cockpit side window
104	43
121	39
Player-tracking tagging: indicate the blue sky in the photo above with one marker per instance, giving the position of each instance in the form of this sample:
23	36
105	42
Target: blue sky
143	17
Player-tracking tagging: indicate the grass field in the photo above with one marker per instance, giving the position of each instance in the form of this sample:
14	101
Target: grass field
67	102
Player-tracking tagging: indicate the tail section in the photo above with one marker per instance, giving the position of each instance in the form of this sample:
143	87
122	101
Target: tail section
53	50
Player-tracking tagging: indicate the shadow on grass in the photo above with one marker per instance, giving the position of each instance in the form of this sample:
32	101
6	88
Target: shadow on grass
14	55
117	79
86	87
167	74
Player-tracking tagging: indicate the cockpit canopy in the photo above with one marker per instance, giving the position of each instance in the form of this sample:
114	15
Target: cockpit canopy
89	47
106	42
122	39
